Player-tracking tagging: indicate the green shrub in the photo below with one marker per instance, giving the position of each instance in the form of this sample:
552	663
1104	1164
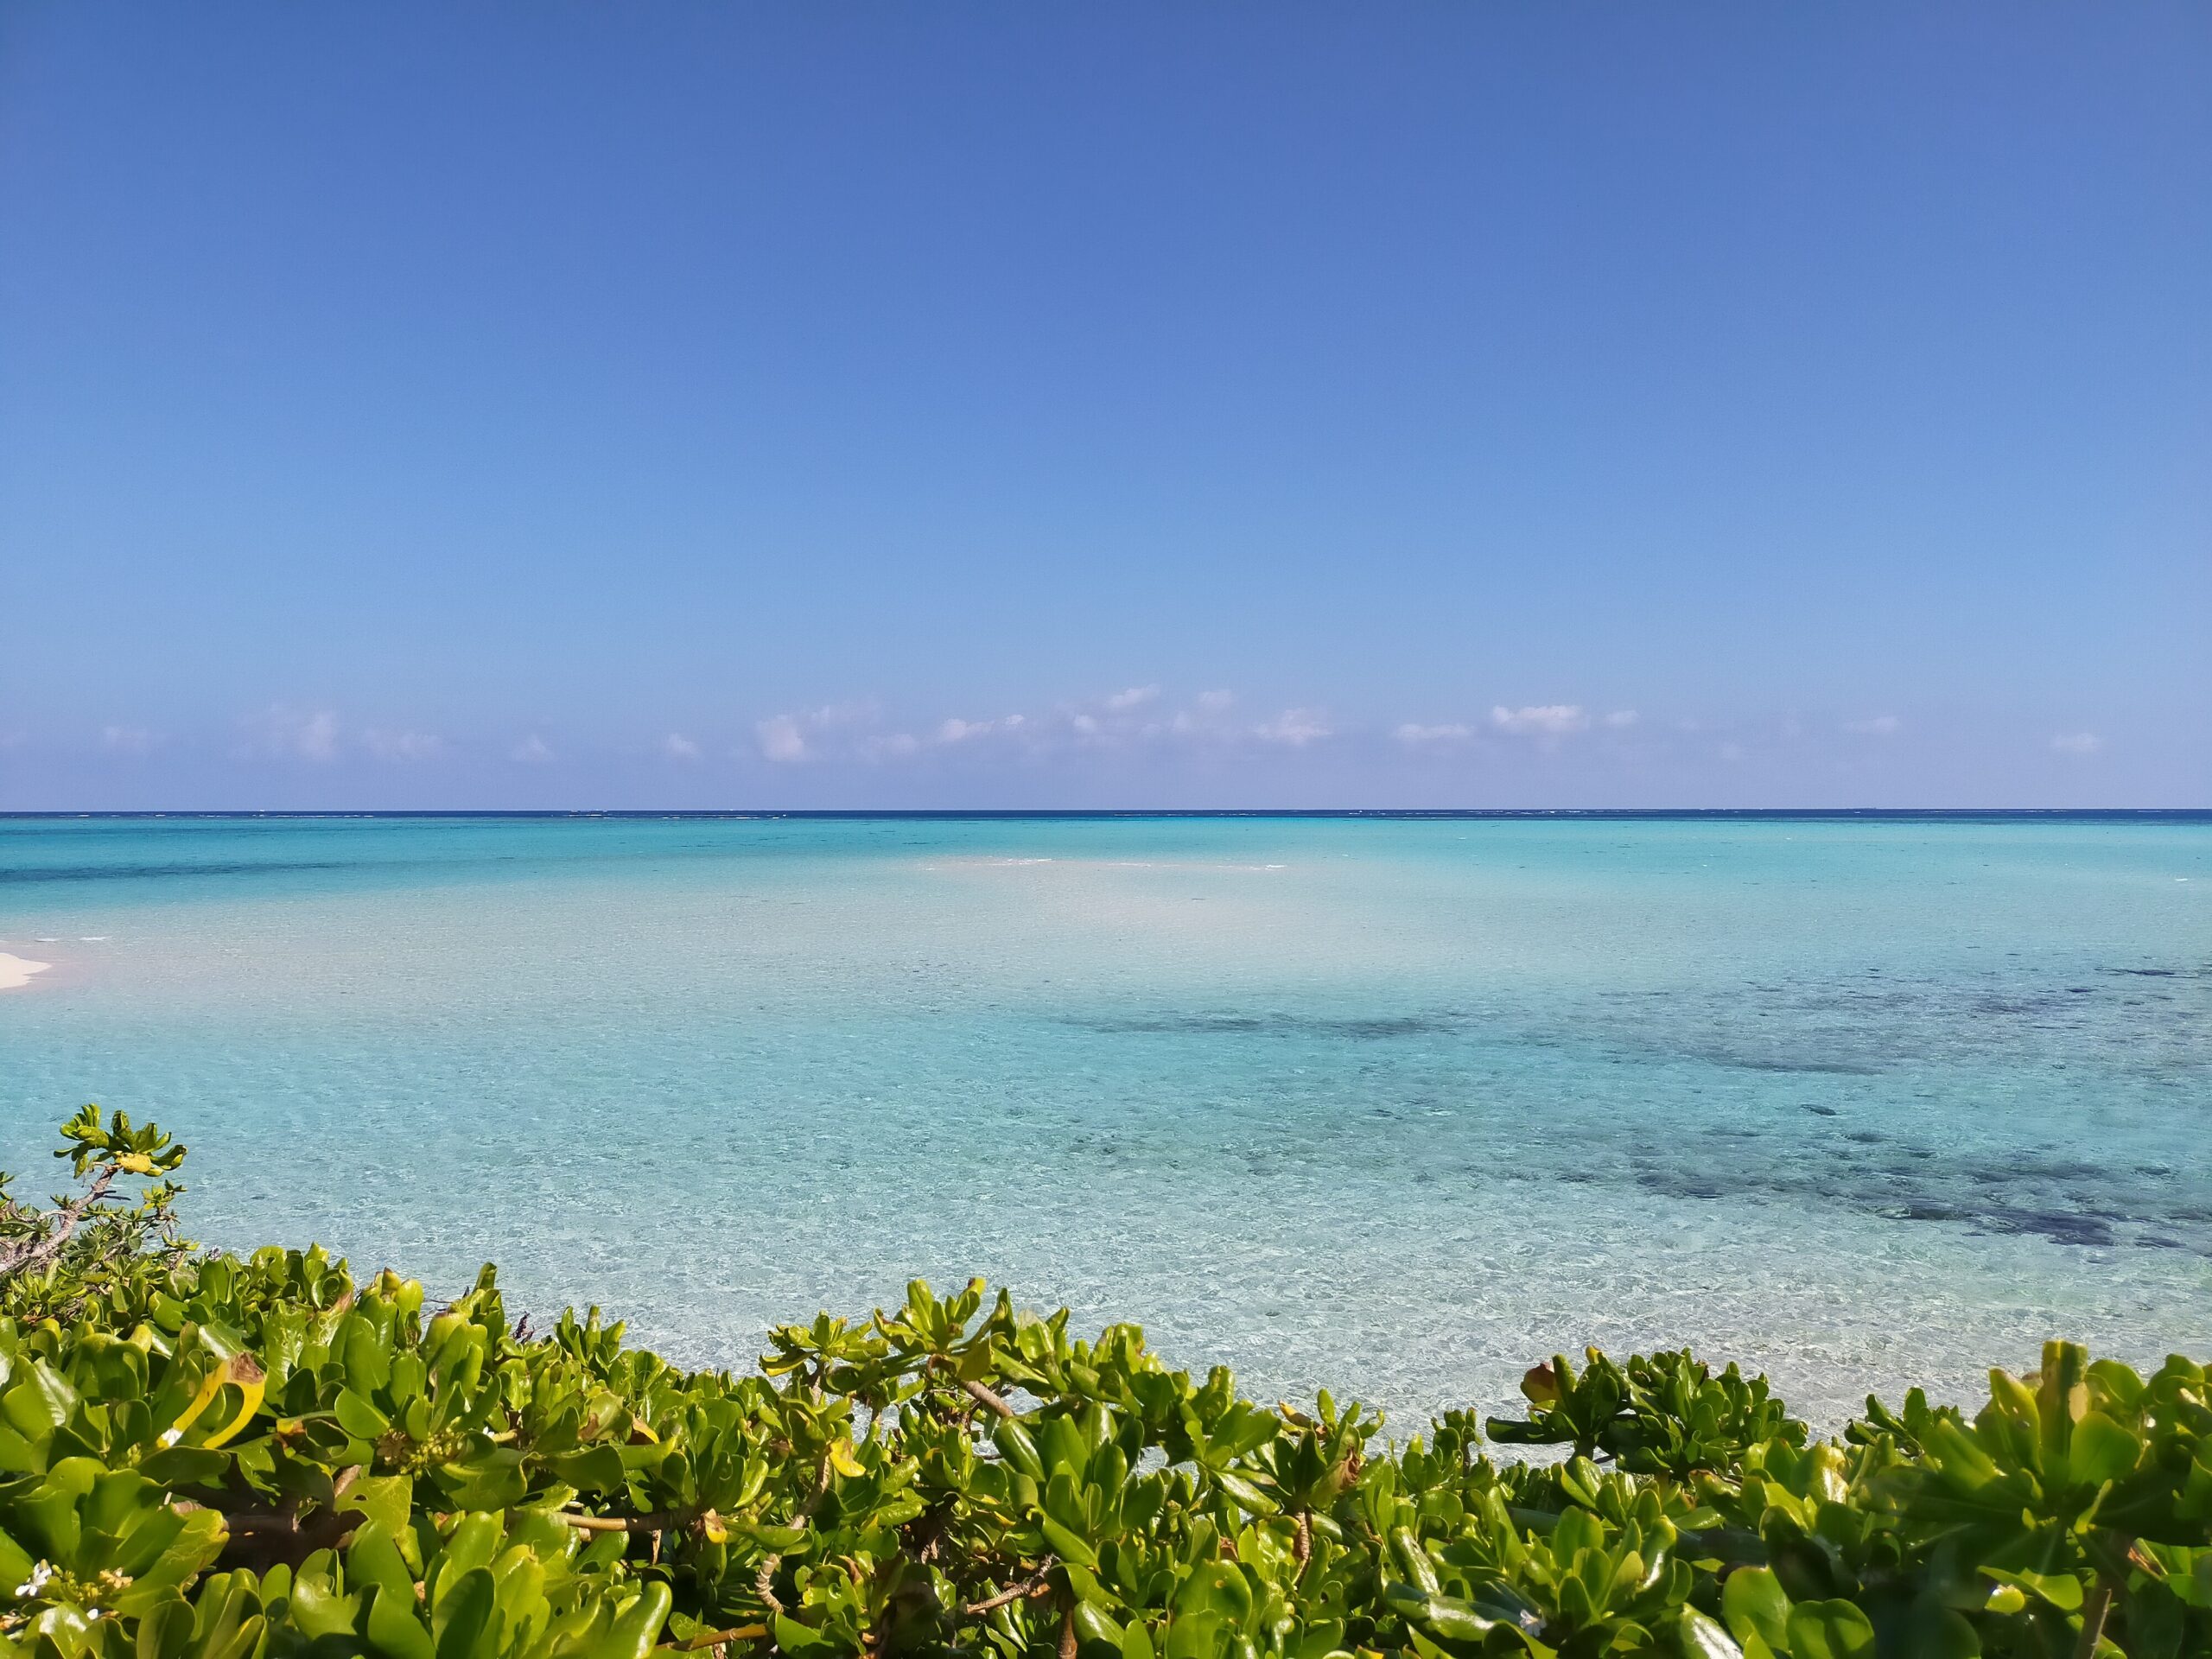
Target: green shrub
212	1457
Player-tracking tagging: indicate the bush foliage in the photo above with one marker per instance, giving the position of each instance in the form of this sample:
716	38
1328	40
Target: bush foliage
206	1456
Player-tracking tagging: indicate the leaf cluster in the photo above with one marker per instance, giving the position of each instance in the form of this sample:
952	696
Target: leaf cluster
207	1456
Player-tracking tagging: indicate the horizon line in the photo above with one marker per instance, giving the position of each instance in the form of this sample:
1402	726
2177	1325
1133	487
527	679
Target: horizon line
956	813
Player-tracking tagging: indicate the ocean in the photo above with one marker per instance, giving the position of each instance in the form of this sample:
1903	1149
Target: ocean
1396	1105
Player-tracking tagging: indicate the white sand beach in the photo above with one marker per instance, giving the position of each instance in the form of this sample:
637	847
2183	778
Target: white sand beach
15	971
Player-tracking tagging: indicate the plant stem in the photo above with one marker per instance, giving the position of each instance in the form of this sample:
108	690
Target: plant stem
717	1638
992	1604
2093	1618
35	1253
983	1396
655	1522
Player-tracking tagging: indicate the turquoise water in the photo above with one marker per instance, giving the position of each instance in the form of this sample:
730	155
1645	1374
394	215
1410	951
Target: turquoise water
1394	1105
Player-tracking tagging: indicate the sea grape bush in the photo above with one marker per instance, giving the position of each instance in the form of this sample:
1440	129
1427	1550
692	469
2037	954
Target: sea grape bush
206	1456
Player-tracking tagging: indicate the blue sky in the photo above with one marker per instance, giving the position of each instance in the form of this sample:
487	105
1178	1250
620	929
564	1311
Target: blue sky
780	405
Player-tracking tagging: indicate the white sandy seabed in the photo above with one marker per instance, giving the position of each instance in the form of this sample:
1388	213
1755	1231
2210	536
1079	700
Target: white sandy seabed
15	971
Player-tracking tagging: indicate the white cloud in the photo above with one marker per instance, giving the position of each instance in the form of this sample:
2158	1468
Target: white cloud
676	746
790	738
1131	719
1731	753
1543	719
290	734
1206	717
780	738
1295	727
2077	742
1621	718
1415	737
966	730
404	746
127	739
1880	726
532	750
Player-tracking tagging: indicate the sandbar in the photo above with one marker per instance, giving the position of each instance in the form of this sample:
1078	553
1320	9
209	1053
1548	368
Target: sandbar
15	971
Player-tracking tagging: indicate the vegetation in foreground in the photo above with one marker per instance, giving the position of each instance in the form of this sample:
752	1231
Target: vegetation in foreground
214	1456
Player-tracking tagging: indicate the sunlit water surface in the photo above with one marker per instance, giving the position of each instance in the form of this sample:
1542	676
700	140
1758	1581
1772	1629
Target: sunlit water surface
1395	1106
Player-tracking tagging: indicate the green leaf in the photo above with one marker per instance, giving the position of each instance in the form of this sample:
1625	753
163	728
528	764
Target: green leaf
1092	1624
473	1542
315	1607
385	1499
1413	1561
2102	1449
373	1558
779	1539
1702	1638
1452	1619
40	1402
1246	1494
1215	1588
1829	1630
393	1631
2060	1590
249	1639
1060	1446
464	1609
1754	1603
69	1632
358	1418
185	1551
15	1563
791	1637
164	1630
641	1625
1067	1543
1936	1631
1019	1451
490	1480
595	1469
47	1521
1197	1636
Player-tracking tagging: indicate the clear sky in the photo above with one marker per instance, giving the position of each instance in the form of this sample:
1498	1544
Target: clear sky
847	404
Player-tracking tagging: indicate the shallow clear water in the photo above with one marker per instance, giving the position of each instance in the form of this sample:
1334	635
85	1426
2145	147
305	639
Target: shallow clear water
1396	1106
